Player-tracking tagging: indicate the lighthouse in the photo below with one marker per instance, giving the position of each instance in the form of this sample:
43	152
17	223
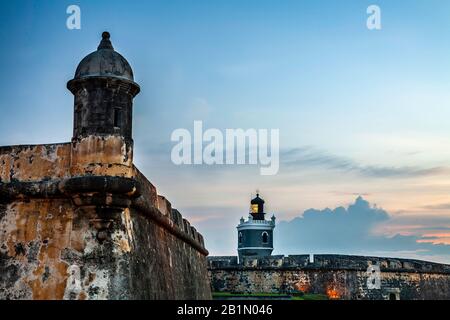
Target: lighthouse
255	235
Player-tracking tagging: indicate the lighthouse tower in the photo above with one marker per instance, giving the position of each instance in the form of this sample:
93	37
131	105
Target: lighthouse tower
255	236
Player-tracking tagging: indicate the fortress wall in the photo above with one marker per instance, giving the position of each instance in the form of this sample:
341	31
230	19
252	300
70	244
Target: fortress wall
337	276
33	235
167	267
93	155
91	236
46	245
102	156
34	162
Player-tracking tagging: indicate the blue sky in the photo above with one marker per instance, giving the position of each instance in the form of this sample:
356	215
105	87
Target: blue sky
360	112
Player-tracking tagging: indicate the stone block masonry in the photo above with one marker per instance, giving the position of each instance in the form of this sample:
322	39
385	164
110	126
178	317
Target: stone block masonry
337	276
90	236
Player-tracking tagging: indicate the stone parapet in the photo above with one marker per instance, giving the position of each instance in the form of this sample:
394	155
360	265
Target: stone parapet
328	262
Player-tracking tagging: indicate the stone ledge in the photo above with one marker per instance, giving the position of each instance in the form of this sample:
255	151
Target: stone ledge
104	191
20	147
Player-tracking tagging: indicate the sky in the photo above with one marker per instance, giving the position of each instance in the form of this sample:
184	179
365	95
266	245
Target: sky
363	115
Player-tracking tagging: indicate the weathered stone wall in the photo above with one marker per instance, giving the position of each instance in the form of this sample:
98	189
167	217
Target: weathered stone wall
34	162
79	221
338	276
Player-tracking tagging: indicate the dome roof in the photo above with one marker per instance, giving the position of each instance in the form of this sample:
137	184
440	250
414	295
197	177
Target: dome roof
257	200
105	62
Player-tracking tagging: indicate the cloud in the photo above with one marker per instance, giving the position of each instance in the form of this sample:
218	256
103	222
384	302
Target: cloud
350	231
441	206
345	193
308	156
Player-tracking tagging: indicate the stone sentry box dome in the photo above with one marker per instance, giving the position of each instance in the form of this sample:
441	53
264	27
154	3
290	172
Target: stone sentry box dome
104	89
